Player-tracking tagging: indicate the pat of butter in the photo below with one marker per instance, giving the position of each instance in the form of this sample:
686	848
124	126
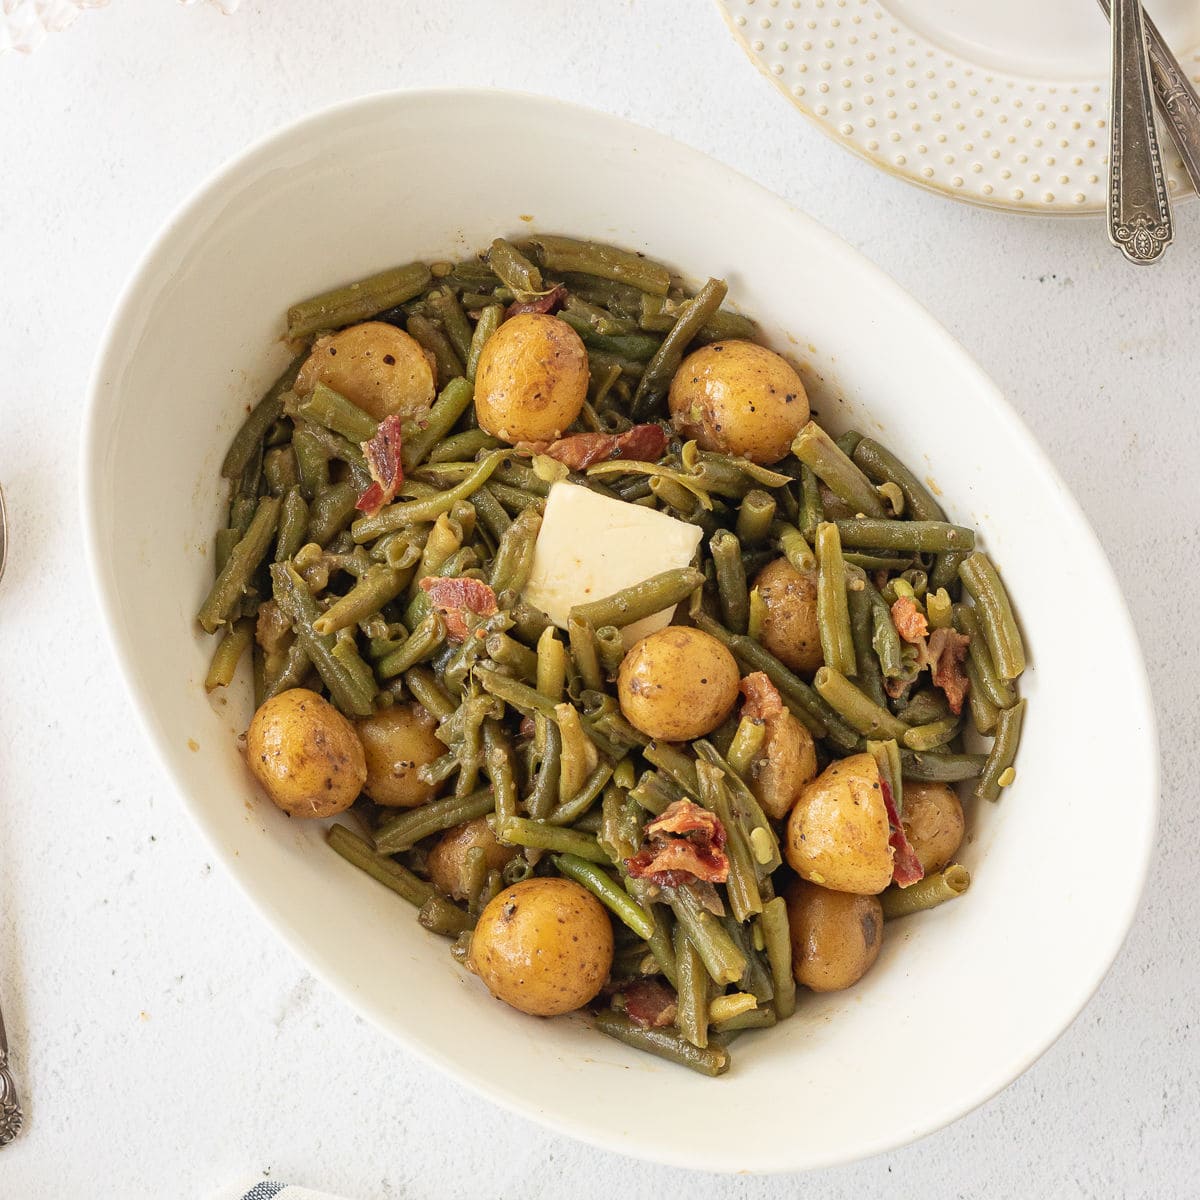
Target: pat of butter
590	546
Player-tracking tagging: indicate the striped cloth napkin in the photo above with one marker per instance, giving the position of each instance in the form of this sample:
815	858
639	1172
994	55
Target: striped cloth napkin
272	1189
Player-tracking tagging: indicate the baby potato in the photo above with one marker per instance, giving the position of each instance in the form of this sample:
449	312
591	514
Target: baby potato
532	379
398	741
933	821
374	365
789	626
837	833
786	762
677	684
544	946
835	935
305	754
739	398
446	860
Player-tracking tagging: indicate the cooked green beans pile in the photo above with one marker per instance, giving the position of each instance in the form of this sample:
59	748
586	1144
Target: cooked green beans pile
648	814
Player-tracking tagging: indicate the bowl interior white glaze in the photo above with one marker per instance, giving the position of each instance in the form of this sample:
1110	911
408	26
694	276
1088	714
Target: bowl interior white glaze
963	998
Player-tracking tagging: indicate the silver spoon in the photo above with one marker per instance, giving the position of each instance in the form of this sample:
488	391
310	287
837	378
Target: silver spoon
10	1107
3	534
1139	210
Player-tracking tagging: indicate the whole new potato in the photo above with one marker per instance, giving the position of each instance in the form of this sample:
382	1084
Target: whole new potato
835	935
398	741
789	623
933	821
531	380
740	398
544	946
677	684
305	754
446	861
837	833
786	761
374	365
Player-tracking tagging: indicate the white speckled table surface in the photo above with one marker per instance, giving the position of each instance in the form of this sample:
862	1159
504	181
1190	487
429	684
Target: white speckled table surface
166	1043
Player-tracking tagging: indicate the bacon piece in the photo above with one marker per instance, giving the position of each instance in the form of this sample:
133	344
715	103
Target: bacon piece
553	300
947	653
649	1003
685	842
909	621
455	598
763	700
642	443
382	453
906	867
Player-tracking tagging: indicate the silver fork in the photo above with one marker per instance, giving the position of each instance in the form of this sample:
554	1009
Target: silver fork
10	1107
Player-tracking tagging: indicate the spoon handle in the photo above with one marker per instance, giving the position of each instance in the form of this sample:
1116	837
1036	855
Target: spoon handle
10	1106
1139	211
1178	103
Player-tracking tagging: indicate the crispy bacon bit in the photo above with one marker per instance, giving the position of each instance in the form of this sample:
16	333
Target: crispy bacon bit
642	443
906	867
382	453
947	653
649	1003
909	620
763	700
686	842
455	598
553	300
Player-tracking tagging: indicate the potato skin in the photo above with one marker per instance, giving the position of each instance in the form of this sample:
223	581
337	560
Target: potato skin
445	861
837	833
531	380
677	684
789	627
933	821
374	365
305	754
397	741
544	946
786	762
835	935
737	397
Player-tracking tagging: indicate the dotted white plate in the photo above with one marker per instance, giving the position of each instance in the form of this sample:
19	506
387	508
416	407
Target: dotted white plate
997	102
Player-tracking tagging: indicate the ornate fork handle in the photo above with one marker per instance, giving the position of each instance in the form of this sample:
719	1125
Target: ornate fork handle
10	1107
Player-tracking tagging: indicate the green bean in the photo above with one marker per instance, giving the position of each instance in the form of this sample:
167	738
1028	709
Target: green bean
833	614
583	650
641	599
489	321
634	347
228	654
357	301
291	673
331	409
491	513
454	321
614	897
432	339
235	576
939	609
462	447
543	796
515	500
933	734
248	440
606	262
312	464
405	829
924	707
862	628
747	810
331	511
777	939
731	580
378	587
598	318
654	792
611	648
725	324
693	315
945	569
723	960
998	771
453	400
474	877
999	691
520	831
818	451
858	710
755	514
223	546
551	665
847	441
876	562
498	761
755	1018
513	562
911	536
515	270
941	768
742	882
388	872
984	714
442	916
664	1043
929	892
881	465
397	516
279	470
508	652
691	990
293	525
811	510
519	695
426	690
794	547
885	638
679	765
423	642
996	618
746	745
620	832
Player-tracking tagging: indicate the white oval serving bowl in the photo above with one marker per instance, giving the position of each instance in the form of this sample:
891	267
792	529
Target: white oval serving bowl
963	998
